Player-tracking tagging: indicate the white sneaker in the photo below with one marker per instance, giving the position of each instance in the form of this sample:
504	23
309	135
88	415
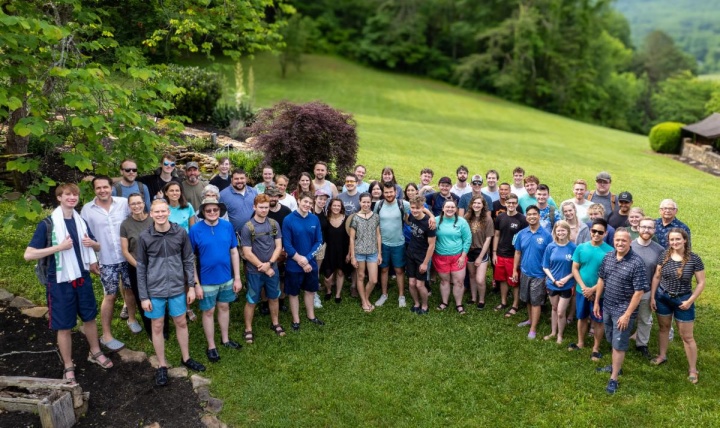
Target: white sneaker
381	301
401	302
317	303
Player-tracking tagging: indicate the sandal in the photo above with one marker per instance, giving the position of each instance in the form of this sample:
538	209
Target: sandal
512	311
692	377
657	361
442	306
67	370
574	347
596	356
249	337
460	309
369	309
95	359
278	329
500	307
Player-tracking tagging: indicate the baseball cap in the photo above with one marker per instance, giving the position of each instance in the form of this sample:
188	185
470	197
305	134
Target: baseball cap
192	165
272	191
604	175
476	178
445	180
625	197
321	192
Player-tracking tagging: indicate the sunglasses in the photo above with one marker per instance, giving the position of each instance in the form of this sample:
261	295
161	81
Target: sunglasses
212	210
130	169
166	163
597	232
349	181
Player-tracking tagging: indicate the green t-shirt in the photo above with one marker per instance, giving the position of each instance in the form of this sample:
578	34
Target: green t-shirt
590	258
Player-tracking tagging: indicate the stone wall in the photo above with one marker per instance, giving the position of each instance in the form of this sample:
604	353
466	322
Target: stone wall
702	153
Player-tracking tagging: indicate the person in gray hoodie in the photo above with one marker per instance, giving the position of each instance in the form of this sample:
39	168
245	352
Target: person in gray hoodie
166	278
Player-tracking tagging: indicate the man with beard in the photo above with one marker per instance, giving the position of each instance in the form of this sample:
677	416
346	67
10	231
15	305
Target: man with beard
238	198
361	186
619	217
193	185
320	171
129	184
602	195
461	187
277	212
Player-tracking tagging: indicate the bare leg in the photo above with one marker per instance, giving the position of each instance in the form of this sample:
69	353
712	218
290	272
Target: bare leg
458	279
274	305
249	314
516	296
503	293
158	340
534	316
64	341
183	337
400	278
384	273
562	317
106	312
360	271
618	357
309	298
224	321
295	308
444	287
208	323
412	287
554	300
129	299
372	270
599	329
664	323
339	279
481	280
473	281
423	293
582	329
686	332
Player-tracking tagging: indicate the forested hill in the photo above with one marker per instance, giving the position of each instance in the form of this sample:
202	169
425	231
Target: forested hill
694	24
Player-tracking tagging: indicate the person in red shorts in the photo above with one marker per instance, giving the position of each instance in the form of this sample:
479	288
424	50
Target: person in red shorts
507	225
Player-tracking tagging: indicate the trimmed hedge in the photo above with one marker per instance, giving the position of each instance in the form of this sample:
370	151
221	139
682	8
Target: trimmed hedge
665	137
203	89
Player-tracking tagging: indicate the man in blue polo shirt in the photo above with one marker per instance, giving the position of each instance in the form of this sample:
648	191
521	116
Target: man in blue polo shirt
530	244
622	281
668	221
238	198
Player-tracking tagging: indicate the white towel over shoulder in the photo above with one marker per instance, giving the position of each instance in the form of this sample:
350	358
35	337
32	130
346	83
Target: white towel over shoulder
66	263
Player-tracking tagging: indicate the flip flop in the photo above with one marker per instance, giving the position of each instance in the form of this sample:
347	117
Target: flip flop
573	347
657	361
693	377
500	307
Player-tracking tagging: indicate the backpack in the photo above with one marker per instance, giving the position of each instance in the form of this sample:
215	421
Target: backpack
117	187
613	198
552	217
400	204
251	228
41	268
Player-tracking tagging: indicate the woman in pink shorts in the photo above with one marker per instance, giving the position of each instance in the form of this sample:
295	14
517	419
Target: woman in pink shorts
453	239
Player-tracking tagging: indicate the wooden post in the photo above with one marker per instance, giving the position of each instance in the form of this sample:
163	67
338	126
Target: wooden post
56	410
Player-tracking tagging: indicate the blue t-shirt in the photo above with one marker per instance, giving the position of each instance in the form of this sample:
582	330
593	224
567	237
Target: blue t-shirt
181	216
558	259
546	221
532	246
39	242
301	235
127	191
391	222
212	245
589	257
465	201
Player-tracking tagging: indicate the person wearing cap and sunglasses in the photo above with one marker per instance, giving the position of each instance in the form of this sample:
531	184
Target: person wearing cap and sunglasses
602	194
217	270
619	217
476	190
193	185
156	181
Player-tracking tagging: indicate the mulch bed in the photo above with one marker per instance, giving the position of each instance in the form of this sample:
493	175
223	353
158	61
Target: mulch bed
120	397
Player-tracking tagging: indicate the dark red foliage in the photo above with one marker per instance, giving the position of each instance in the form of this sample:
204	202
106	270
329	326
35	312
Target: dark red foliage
294	136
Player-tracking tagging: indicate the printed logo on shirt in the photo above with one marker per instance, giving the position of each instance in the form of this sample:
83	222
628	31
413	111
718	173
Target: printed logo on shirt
540	240
568	257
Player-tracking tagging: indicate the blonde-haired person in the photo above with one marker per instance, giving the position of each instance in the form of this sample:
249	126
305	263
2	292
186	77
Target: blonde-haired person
577	227
557	265
579	190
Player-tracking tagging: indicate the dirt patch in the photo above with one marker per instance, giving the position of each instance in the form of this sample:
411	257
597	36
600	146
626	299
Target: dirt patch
120	397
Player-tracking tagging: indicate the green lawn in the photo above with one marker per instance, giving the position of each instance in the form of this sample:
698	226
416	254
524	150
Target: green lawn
393	368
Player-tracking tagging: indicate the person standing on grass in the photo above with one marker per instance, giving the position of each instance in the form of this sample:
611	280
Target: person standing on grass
602	195
361	186
532	184
483	230
549	214
238	198
530	245
336	264
586	261
518	186
302	238
436	201
491	189
453	240
214	244
129	184
268	176
667	222
166	279
581	204
619	217
320	183
104	214
320	210
277	212
350	196
156	181
365	249
285	198
507	225
476	186
222	179
68	250
193	185
425	187
649	251
672	296
261	240
419	253
634	217
499	205
392	213
622	282
557	265
130	230
596	211
577	228
461	186
181	211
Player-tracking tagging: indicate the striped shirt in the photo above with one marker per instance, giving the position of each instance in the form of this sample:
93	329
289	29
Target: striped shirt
622	279
669	280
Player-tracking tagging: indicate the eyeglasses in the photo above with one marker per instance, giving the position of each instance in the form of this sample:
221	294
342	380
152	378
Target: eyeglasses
166	163
212	210
349	181
646	227
510	203
667	208
130	169
597	232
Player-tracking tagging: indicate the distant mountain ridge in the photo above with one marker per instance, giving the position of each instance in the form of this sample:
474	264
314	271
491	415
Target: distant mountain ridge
693	24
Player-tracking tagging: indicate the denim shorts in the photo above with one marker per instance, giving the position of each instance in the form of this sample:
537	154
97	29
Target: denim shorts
257	281
667	306
212	294
367	258
177	305
394	255
619	340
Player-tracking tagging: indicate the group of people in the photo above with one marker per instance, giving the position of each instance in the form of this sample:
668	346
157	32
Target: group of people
165	242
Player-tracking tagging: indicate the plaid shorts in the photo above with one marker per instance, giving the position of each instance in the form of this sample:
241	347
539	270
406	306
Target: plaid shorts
110	276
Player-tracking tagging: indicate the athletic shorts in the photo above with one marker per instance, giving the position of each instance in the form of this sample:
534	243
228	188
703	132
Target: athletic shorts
475	253
177	305
394	256
503	270
212	294
412	267
110	276
564	294
448	264
532	290
257	281
66	302
296	281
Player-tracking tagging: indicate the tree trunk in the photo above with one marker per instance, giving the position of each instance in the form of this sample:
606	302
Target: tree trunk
15	143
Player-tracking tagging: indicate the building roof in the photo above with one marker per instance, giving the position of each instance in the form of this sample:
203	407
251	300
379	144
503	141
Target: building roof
708	127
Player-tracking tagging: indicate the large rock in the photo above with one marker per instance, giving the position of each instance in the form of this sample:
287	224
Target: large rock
178	372
21	302
203	394
130	356
211	421
36	312
214	405
198	381
6	296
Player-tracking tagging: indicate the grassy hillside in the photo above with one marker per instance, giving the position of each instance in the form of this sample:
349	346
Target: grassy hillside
692	23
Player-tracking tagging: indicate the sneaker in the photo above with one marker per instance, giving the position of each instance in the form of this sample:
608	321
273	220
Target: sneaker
607	369
161	376
415	309
316	321
213	355
193	365
134	326
612	386
381	301
124	313
232	344
524	323
401	302
531	335
643	350
317	303
422	311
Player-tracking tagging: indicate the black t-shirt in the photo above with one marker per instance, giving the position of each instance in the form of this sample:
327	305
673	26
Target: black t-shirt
618	220
498	208
155	184
279	216
220	182
508	227
420	232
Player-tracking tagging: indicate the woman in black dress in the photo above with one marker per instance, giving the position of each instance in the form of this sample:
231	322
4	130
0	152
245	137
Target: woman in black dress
337	253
